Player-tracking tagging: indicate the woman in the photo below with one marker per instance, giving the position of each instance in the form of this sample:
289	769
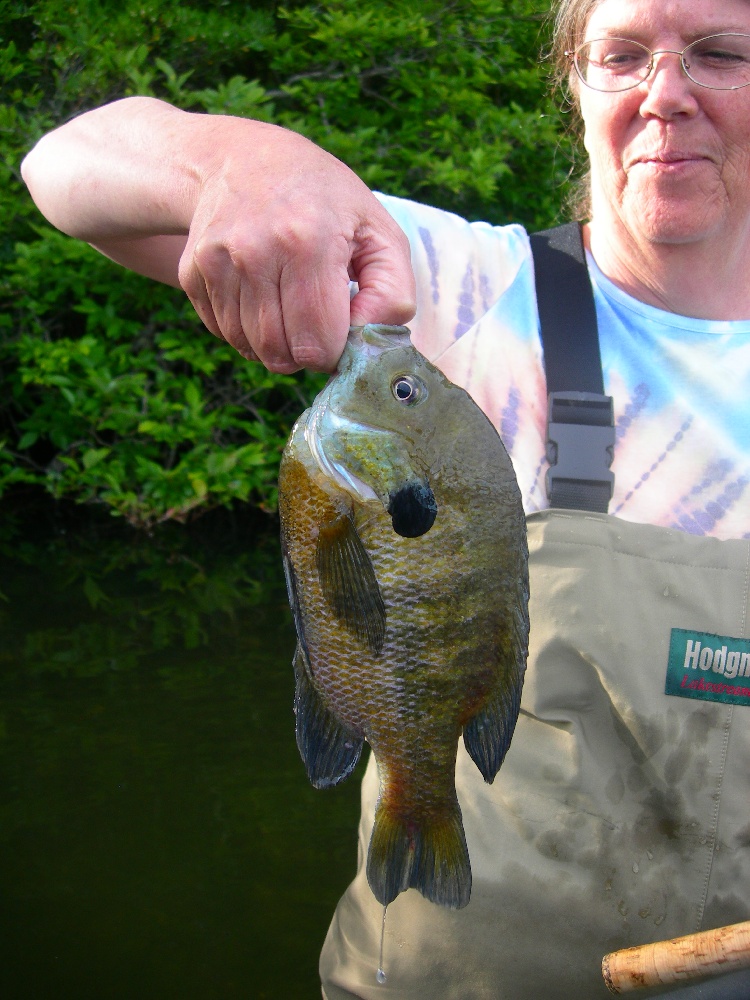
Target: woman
620	814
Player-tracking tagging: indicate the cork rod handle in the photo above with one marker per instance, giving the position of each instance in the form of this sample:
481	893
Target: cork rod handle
708	953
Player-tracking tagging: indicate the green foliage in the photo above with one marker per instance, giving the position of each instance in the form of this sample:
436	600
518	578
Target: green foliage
125	405
111	391
442	102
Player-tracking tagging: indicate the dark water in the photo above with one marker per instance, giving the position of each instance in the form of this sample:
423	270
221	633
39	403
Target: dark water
158	838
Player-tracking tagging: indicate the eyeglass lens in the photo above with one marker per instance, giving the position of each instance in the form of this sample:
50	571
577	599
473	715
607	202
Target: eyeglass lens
720	62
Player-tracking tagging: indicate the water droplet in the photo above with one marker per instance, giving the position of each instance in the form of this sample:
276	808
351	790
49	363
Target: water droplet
380	974
636	869
649	855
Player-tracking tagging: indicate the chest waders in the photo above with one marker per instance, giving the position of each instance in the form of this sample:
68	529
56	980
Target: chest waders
621	814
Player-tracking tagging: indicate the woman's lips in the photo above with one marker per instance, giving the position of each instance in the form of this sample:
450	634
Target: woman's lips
669	159
670	164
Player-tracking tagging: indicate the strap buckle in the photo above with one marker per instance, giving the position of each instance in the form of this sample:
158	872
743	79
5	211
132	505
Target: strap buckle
580	450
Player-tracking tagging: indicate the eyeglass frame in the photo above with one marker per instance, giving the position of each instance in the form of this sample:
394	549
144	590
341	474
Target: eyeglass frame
572	54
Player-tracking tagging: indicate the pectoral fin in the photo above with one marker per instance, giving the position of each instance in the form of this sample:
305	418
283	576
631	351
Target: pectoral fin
348	581
330	752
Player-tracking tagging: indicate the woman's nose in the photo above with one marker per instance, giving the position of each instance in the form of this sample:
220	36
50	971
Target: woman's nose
669	91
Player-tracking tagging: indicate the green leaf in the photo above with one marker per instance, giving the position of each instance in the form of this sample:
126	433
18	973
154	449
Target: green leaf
27	440
94	594
94	456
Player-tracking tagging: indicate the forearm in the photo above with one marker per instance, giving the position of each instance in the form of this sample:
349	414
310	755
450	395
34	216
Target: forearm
105	174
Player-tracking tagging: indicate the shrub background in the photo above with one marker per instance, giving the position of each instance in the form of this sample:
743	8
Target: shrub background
112	392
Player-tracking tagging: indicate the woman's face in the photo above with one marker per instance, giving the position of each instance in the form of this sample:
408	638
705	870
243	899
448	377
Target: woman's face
670	161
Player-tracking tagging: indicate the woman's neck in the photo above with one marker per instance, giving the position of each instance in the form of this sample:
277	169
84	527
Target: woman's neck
704	279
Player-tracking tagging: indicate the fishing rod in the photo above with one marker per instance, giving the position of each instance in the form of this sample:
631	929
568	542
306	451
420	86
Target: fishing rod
707	953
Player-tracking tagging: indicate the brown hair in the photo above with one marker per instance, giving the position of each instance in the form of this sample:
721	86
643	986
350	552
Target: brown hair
569	26
570	20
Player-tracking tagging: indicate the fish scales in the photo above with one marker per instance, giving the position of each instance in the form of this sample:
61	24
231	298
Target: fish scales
405	552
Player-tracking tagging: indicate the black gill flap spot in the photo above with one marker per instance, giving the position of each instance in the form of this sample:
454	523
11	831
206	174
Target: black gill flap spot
413	509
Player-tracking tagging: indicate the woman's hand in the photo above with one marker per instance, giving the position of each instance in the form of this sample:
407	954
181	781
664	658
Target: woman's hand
280	227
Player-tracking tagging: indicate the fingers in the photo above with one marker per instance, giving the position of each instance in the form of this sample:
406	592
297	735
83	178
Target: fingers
194	285
296	311
267	265
297	315
382	269
315	303
291	312
215	288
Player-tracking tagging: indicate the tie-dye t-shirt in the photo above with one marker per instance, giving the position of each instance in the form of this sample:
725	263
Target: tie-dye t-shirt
681	386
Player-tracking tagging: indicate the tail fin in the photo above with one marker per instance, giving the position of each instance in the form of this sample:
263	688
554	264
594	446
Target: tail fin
431	857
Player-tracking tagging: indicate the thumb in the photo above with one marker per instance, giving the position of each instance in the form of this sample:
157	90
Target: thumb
385	278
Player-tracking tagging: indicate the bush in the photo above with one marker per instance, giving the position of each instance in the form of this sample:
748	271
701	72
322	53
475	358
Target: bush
110	395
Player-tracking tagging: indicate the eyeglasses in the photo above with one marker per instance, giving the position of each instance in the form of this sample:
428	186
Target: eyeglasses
719	62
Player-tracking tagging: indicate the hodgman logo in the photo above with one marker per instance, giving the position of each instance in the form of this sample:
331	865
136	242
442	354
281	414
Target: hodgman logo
730	662
708	667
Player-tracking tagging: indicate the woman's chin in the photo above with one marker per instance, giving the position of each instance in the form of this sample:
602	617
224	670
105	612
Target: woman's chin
672	221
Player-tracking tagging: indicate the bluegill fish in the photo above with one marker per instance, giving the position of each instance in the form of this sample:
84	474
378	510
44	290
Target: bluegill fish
405	553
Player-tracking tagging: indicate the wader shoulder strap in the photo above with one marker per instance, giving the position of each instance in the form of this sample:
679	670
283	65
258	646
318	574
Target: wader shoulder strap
580	418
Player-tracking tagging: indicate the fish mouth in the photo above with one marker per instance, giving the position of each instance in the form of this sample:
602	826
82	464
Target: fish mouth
395	484
340	475
411	503
374	338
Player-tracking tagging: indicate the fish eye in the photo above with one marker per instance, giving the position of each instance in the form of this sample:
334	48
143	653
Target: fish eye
407	389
